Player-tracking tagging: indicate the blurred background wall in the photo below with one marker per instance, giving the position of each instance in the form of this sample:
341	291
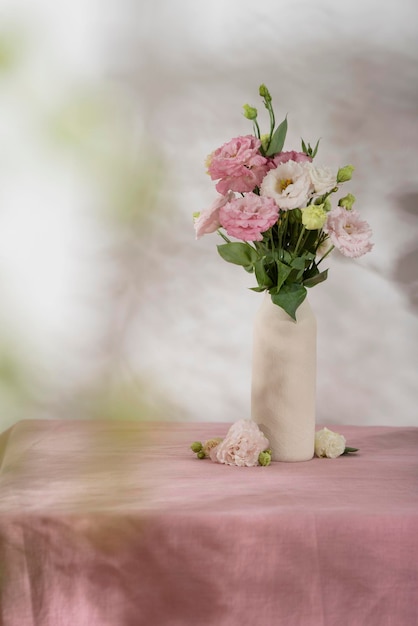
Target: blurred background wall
109	307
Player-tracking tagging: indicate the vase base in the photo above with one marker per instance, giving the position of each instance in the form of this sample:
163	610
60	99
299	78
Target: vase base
295	447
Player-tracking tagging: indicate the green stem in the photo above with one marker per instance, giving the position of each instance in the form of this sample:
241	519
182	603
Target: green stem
269	108
302	232
326	195
272	120
325	255
285	230
282	233
256	129
224	237
271	239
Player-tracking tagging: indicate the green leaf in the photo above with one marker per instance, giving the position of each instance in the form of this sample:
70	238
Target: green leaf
287	257
289	298
309	256
298	263
238	253
261	274
283	272
315	280
278	139
315	150
348	450
298	267
257	289
304	148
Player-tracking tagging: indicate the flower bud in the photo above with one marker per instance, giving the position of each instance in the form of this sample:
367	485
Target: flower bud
250	112
264	93
327	205
347	202
196	446
201	455
345	173
265	141
264	458
314	217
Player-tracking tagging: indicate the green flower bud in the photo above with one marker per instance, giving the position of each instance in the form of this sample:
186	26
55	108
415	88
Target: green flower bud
196	446
324	202
347	202
264	93
327	205
250	112
201	455
264	458
314	217
345	173
265	141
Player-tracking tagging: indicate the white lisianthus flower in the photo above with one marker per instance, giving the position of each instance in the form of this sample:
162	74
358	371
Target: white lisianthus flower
289	185
323	179
329	444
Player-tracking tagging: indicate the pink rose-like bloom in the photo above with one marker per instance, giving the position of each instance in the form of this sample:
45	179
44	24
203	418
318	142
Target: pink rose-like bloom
241	446
348	232
246	218
208	221
297	157
238	164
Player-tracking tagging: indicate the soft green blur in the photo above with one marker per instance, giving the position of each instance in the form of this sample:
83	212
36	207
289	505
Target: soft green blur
87	130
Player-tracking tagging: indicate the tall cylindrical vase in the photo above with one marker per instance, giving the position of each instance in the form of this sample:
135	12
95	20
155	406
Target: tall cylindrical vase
284	380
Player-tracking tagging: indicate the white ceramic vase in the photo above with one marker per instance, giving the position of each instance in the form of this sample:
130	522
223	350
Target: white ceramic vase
284	380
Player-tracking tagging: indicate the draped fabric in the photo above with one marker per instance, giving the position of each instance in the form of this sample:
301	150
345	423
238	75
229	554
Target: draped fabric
119	524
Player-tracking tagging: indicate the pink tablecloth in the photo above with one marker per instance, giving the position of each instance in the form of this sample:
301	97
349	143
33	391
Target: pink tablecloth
118	524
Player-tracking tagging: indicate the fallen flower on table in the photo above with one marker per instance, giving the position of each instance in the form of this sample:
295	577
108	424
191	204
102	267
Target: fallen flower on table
244	445
330	444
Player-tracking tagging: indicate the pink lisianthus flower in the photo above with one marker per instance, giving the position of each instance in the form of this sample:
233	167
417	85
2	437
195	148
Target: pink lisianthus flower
297	157
246	218
208	220
241	446
238	164
348	232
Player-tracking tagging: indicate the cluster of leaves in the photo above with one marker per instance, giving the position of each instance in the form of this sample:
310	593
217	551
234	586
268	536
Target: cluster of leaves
284	263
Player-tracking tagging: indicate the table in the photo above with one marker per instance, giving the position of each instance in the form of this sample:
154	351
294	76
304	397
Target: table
119	524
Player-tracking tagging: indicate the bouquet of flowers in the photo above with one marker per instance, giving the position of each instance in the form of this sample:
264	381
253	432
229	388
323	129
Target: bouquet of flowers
278	205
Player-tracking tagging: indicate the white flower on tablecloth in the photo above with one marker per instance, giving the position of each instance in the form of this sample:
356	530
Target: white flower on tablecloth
241	446
329	444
